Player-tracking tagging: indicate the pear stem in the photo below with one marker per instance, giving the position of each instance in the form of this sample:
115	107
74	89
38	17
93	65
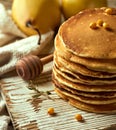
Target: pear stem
29	24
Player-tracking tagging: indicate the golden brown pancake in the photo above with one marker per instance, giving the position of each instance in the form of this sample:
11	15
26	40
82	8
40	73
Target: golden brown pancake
83	87
85	94
80	39
88	100
66	65
107	108
84	69
105	65
78	78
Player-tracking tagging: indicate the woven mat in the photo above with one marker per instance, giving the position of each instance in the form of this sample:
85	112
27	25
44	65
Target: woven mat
28	110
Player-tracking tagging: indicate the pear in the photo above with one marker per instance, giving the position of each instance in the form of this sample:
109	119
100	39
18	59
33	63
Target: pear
33	15
71	7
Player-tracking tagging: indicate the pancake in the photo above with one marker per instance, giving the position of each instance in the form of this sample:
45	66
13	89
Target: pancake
109	108
66	65
83	87
104	65
84	69
78	78
79	38
86	94
88	100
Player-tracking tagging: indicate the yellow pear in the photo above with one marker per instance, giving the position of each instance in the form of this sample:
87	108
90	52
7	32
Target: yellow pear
43	15
71	7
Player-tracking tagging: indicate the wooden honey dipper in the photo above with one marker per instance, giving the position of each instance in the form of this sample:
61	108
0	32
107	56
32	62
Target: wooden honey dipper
31	66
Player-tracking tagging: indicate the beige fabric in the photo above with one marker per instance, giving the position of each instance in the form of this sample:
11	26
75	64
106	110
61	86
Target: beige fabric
4	119
10	53
7	25
13	46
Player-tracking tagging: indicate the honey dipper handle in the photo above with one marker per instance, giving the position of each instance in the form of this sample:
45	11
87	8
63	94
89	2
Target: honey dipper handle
47	59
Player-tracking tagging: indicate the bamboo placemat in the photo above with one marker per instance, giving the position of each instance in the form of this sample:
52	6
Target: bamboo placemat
28	110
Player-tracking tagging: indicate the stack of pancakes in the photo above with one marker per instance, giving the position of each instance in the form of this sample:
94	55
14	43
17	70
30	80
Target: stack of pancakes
84	70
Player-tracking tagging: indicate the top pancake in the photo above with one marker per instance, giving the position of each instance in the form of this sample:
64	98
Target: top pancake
80	39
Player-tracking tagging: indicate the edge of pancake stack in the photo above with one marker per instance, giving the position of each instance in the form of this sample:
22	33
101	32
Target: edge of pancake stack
84	69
